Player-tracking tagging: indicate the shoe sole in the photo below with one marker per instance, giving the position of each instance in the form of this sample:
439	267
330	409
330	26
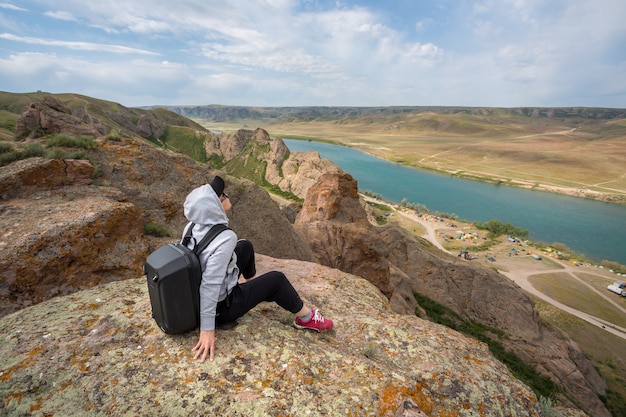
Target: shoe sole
297	326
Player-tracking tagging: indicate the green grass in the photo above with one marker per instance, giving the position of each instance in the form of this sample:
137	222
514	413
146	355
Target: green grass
56	147
569	291
184	140
66	141
29	151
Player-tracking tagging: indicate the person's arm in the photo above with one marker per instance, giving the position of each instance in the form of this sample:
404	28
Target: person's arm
214	274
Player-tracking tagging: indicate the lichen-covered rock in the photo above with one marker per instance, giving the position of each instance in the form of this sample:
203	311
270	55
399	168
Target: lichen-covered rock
35	174
57	242
99	352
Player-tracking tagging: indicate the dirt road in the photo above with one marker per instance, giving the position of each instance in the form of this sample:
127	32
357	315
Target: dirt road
521	274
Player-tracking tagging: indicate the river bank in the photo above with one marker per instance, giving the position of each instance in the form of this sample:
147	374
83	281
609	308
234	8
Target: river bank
521	262
585	226
468	173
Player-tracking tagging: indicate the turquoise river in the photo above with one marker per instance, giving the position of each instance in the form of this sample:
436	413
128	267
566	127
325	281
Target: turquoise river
596	229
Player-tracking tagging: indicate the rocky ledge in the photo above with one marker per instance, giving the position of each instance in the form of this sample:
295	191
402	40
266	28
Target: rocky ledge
98	351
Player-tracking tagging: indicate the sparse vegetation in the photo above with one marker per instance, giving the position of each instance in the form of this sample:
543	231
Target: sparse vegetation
547	408
601	347
157	230
29	151
437	313
5	147
184	140
66	141
372	194
56	147
114	137
380	212
498	228
614	266
417	207
275	189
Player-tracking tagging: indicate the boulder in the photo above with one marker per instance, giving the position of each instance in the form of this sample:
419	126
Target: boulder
99	352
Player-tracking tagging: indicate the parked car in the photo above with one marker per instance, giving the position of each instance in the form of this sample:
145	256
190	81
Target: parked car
616	289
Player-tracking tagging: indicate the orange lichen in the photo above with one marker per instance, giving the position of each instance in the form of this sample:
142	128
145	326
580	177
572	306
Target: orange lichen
13	396
82	362
393	396
30	359
473	359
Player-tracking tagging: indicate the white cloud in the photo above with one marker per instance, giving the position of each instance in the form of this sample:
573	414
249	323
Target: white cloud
84	46
10	6
61	15
487	52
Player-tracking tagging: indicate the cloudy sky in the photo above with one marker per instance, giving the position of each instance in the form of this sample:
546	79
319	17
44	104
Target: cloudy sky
498	53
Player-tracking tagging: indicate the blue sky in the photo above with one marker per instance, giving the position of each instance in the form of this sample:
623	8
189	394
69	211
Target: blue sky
496	53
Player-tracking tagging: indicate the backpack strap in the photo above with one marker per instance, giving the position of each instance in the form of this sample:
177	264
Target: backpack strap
188	236
208	238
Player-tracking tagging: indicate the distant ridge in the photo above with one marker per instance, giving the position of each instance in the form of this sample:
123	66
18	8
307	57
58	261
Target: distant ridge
222	113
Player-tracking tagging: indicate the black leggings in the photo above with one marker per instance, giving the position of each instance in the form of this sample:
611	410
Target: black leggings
271	286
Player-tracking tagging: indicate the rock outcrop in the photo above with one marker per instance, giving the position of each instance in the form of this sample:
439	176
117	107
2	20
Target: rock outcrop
340	234
69	225
51	116
291	172
98	352
335	225
60	235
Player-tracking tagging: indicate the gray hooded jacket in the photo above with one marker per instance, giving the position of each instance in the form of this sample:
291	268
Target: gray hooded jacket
219	261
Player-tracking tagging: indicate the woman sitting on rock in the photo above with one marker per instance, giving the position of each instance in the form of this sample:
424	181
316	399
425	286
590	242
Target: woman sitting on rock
222	299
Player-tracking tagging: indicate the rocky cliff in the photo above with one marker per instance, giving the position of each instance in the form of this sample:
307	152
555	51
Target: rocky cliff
68	225
98	352
335	225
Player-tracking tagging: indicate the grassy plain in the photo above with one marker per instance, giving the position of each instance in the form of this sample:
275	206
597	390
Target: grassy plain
557	155
563	288
605	351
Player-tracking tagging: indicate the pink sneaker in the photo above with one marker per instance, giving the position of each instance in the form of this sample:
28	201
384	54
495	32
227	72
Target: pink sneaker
317	322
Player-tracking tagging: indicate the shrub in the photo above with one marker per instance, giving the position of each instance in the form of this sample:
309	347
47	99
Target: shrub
615	266
497	228
153	229
83	142
546	406
113	136
7	158
32	150
5	147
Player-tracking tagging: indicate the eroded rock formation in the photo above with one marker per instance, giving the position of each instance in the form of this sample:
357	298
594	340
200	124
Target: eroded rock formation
99	352
336	227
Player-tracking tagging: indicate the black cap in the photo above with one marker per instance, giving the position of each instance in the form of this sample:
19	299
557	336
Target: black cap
218	185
